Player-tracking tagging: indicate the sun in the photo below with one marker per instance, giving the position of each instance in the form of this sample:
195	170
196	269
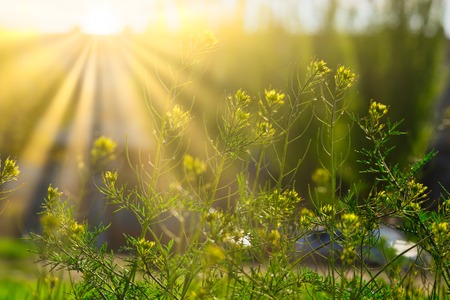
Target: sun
101	19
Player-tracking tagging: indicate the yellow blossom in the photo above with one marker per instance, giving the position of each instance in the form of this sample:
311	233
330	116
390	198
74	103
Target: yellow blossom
103	148
344	77
214	253
377	110
321	177
178	118
319	67
9	171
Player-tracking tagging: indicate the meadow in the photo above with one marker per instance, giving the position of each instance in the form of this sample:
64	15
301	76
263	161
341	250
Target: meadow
233	164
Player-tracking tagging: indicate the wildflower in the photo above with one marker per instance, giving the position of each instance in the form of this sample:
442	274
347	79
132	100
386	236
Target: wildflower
242	116
241	98
319	67
344	77
274	98
414	206
274	237
214	253
143	247
397	291
289	197
50	223
327	209
377	110
321	177
110	178
441	233
265	130
52	193
350	224
178	118
103	148
10	171
77	229
193	165
417	189
348	254
306	217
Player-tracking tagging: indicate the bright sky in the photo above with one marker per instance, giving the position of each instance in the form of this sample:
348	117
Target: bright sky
102	15
109	16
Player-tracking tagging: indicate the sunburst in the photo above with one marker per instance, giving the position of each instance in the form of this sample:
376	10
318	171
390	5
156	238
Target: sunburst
101	18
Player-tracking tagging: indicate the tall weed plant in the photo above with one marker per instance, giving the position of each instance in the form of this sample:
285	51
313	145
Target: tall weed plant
240	237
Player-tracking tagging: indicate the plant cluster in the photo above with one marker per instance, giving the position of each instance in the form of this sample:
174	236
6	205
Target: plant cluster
9	171
250	246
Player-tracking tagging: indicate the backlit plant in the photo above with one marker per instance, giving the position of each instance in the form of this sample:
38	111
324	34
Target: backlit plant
238	237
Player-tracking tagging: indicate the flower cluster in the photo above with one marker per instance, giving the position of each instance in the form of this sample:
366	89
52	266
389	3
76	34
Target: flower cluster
234	131
194	165
110	178
103	149
306	219
441	233
268	107
377	110
265	130
57	221
274	99
178	118
214	254
9	170
321	177
319	67
350	226
327	211
144	248
344	78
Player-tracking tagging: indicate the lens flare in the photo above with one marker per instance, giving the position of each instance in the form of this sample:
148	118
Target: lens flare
101	19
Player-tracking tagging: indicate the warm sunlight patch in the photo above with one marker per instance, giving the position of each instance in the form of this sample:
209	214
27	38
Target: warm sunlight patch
101	19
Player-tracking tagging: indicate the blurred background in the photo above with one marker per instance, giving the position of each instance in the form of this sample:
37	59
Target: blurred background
71	71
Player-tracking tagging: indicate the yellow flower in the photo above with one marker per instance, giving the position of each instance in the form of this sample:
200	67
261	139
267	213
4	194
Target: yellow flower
348	255
441	234
350	224
193	165
321	177
319	67
103	148
110	178
344	77
143	247
214	253
77	229
265	130
377	110
274	98
274	237
178	118
50	223
10	171
327	209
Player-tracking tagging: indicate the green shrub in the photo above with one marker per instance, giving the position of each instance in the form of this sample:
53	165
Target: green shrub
236	237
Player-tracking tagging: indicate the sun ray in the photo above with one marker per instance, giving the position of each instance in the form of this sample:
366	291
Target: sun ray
79	136
48	131
101	18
